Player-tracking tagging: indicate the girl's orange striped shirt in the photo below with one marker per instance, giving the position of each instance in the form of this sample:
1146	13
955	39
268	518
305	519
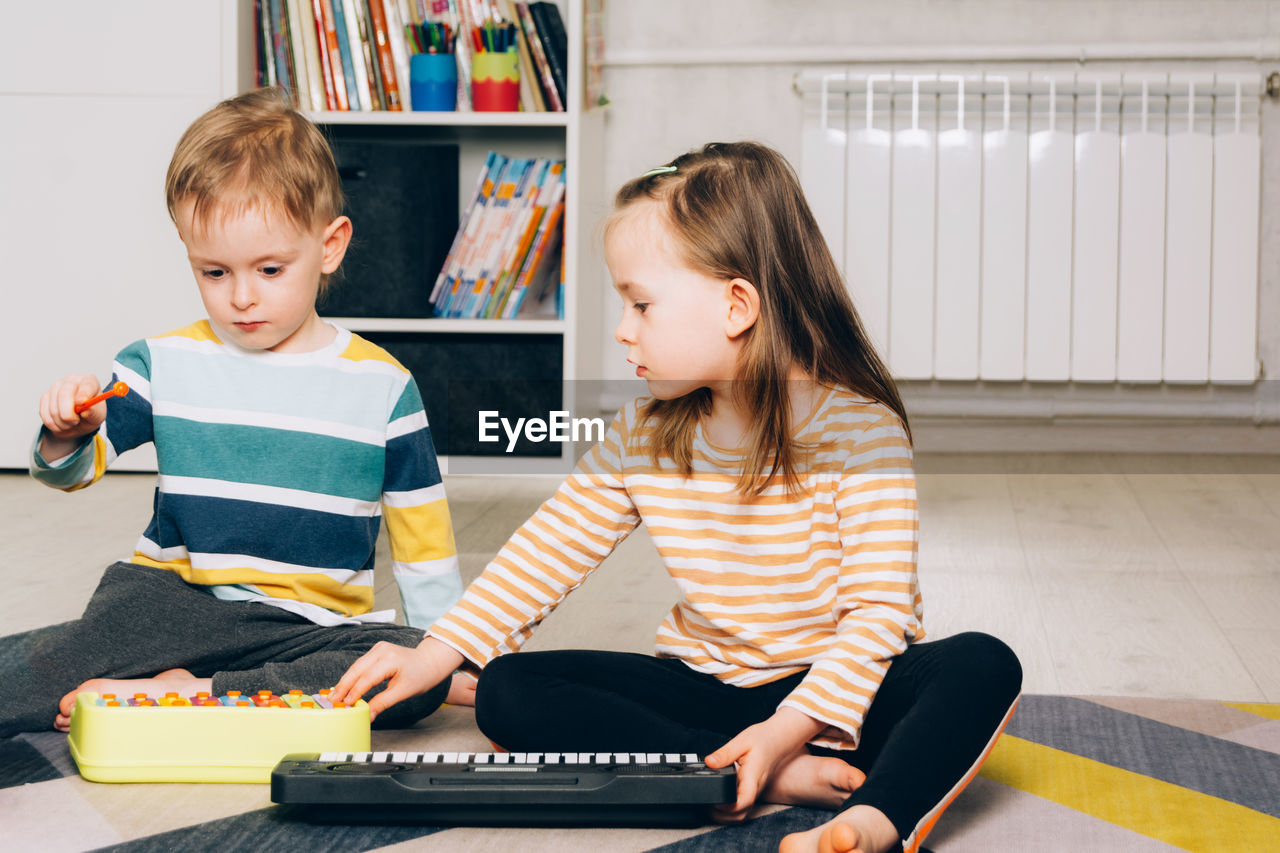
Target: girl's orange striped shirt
823	579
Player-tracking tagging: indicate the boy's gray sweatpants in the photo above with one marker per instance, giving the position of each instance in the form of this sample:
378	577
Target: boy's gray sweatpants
142	621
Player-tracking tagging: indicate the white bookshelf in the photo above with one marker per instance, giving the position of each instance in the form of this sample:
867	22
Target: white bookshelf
575	136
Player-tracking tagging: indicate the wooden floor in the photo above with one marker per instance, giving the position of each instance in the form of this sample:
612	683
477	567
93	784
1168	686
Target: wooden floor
1140	575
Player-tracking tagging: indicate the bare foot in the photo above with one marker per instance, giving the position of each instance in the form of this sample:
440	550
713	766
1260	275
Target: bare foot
462	690
858	829
823	782
179	680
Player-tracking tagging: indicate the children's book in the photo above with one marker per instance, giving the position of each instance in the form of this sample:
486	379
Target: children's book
378	31
533	274
328	33
548	83
351	67
302	69
469	231
555	44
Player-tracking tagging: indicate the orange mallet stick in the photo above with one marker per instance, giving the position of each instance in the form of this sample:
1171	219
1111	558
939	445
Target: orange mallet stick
117	390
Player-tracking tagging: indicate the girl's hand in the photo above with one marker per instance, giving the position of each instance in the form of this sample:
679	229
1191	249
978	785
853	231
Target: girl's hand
758	750
411	671
58	414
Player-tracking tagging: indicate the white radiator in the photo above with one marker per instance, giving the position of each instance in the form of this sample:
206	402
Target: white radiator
1044	226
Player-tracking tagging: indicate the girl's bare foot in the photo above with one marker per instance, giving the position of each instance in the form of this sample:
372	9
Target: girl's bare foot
857	829
823	782
179	680
462	690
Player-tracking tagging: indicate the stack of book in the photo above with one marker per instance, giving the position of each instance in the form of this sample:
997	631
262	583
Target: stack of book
508	249
338	55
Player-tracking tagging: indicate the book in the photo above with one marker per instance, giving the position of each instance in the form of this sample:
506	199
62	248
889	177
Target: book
376	94
447	290
541	260
399	51
382	50
504	251
333	54
297	42
547	82
350	61
263	65
531	99
555	44
529	225
280	49
518	235
496	218
311	50
320	49
476	198
510	200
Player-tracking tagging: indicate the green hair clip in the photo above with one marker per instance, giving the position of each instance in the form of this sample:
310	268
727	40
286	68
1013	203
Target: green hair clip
660	170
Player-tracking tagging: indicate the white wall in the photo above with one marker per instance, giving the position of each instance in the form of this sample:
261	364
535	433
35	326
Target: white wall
93	100
665	101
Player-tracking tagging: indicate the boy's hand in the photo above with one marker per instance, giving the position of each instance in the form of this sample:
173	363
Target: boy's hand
758	750
411	671
58	414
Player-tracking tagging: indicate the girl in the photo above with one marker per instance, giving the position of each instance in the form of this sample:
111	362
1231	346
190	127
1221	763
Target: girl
772	466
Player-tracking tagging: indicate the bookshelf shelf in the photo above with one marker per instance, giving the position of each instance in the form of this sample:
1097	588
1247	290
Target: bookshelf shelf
441	119
456	356
452	326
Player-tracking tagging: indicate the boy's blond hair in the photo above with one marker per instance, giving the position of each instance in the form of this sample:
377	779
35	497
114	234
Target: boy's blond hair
255	150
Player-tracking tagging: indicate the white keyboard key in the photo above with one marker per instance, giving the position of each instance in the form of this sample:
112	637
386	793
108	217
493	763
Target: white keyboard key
414	757
333	756
381	757
431	758
519	758
620	758
502	758
690	758
482	757
535	758
637	757
603	758
671	758
399	757
553	758
653	758
361	756
450	758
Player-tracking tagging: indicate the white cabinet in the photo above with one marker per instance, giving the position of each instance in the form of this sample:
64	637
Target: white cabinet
91	261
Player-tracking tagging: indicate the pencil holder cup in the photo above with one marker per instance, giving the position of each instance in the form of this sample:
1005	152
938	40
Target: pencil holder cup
433	81
495	81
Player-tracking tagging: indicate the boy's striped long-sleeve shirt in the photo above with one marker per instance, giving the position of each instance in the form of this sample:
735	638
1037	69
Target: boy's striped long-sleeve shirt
276	471
823	579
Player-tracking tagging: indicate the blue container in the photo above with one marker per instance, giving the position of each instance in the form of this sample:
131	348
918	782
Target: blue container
433	81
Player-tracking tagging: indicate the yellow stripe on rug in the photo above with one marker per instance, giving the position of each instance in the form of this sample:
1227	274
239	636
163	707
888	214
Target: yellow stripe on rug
1160	810
1262	709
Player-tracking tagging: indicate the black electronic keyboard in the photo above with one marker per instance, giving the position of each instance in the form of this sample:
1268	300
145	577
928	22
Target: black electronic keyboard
503	789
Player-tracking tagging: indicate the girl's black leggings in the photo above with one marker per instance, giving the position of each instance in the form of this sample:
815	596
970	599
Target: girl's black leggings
936	715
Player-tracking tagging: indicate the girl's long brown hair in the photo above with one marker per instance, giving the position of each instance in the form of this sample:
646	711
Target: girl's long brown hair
736	210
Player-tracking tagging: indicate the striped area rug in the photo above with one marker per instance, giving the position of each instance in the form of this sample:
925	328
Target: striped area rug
1069	774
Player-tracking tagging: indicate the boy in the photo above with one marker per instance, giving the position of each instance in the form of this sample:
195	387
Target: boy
282	442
